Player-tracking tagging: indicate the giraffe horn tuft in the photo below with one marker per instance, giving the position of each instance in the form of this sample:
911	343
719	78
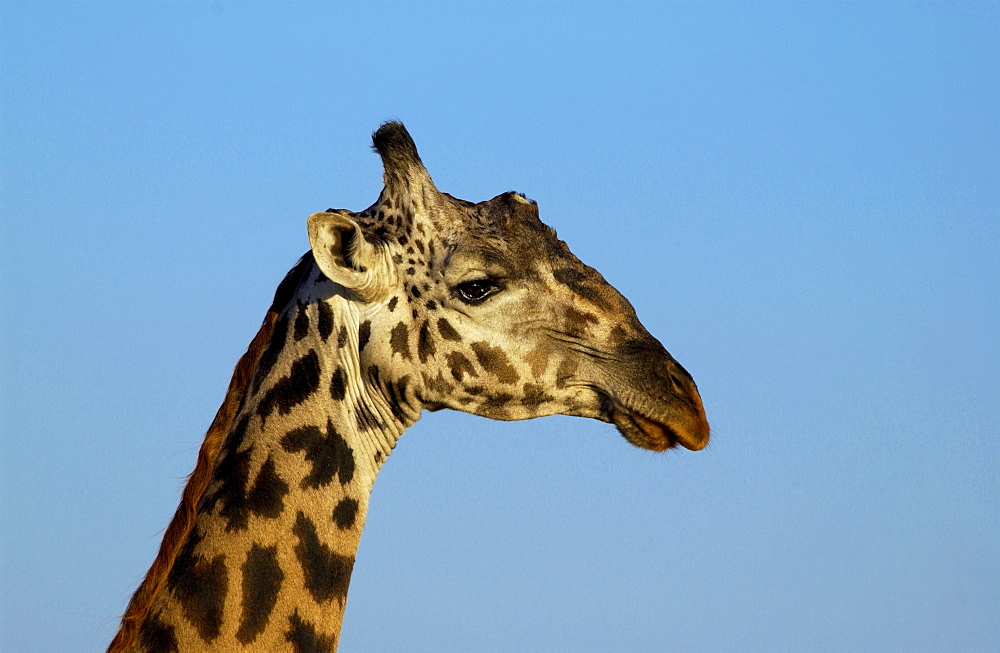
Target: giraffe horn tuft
397	149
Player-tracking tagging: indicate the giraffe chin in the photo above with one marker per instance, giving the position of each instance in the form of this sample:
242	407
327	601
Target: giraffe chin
648	434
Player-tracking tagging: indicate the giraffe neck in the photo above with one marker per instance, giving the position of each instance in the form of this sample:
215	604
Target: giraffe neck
269	559
474	307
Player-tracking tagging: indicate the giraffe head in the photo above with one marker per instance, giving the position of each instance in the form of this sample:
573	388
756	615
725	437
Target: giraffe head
481	308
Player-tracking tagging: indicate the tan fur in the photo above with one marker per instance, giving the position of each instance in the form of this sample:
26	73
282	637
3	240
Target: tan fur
184	518
337	406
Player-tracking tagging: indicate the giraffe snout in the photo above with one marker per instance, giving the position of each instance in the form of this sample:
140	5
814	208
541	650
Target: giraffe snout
688	411
663	408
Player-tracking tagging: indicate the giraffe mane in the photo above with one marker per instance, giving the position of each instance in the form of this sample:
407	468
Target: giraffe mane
184	517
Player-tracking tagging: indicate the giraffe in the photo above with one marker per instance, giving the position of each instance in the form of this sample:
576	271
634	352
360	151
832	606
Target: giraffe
421	302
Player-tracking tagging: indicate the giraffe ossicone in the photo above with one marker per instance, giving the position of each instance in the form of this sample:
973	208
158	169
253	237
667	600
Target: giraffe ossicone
420	302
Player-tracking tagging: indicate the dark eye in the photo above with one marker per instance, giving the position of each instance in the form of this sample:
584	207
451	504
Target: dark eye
476	291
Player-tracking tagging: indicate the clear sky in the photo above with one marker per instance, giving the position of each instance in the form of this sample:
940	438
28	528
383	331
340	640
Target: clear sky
802	201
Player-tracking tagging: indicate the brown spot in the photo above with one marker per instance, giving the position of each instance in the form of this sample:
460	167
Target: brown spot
538	360
292	390
399	340
577	322
499	399
460	365
373	375
345	513
447	331
437	384
325	320
590	286
267	496
396	394
301	323
262	578
496	405
364	333
534	395
392	304
338	384
270	356
327	574
200	586
425	346
329	454
565	370
495	361
304	637
158	636
233	472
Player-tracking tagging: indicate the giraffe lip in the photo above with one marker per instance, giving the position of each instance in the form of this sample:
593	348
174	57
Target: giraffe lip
651	434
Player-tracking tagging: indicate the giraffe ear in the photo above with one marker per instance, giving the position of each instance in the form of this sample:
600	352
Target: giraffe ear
346	258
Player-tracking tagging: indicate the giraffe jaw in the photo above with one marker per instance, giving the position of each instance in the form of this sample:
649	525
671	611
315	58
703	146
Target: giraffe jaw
657	436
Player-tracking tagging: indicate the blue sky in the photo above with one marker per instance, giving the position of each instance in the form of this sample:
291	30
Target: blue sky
802	201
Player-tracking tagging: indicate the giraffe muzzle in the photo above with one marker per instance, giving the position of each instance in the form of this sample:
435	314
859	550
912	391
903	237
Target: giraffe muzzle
664	411
691	433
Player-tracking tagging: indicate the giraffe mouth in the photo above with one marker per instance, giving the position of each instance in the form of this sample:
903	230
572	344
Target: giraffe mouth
657	436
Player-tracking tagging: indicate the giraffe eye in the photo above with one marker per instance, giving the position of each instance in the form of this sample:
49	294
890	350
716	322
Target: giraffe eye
473	292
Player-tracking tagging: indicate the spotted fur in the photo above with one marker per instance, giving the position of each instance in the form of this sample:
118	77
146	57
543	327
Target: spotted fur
262	579
436	302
